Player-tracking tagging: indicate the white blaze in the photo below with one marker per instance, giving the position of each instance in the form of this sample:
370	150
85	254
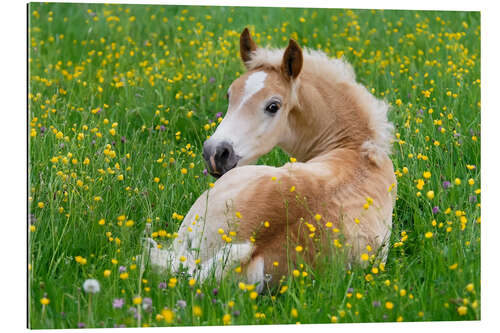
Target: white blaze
253	84
232	124
236	124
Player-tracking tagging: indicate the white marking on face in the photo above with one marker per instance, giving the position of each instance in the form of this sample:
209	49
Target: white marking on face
236	125
230	128
253	84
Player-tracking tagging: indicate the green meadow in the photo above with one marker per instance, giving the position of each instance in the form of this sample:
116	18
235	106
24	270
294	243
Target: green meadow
121	99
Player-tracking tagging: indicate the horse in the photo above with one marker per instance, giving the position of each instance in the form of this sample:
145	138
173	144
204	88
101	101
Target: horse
339	186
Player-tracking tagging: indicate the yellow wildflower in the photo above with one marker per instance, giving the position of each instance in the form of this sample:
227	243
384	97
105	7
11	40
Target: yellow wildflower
197	312
168	315
462	310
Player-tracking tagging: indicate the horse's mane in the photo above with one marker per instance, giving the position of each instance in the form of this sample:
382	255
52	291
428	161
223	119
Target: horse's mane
336	71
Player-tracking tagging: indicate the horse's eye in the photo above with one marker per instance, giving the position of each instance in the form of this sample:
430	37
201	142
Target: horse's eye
273	107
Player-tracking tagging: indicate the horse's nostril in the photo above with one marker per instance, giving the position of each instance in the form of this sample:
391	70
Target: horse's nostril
219	158
225	154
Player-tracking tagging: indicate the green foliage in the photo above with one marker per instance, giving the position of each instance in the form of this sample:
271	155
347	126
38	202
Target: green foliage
121	98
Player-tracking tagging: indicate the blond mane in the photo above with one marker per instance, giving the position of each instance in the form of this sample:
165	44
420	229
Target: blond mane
337	71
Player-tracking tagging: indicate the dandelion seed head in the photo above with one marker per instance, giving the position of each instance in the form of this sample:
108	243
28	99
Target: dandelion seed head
91	286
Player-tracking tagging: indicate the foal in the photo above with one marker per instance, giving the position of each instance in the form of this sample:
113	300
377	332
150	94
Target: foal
340	182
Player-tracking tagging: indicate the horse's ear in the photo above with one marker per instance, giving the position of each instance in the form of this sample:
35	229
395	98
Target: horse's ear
292	61
247	46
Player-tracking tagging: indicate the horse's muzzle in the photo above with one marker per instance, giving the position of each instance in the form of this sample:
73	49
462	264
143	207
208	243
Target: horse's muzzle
219	157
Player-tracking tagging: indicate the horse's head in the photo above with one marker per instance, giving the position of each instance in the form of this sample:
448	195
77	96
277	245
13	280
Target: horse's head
256	118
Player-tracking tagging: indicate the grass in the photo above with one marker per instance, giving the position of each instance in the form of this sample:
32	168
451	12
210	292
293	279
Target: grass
114	145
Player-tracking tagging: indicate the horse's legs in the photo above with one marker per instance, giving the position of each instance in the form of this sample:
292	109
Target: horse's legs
224	259
218	265
384	252
168	259
255	273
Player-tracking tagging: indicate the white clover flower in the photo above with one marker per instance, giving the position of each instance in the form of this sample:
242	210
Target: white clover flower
91	286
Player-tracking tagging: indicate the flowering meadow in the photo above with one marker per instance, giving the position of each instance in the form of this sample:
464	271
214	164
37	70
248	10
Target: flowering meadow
121	98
